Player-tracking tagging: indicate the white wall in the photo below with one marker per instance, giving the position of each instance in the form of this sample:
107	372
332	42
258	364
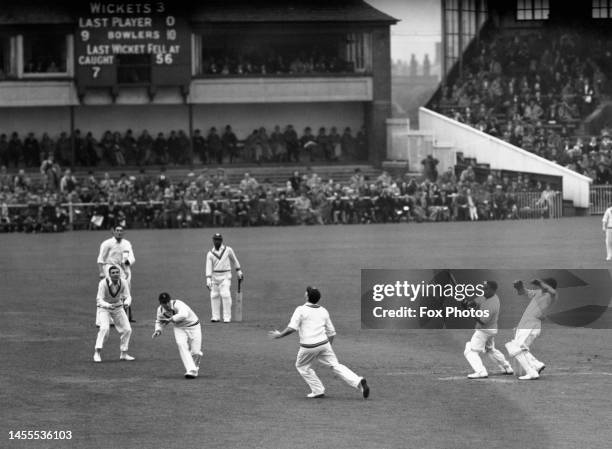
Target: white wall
38	120
244	118
501	155
37	93
154	118
280	90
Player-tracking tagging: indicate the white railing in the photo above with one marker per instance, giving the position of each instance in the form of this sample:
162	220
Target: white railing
532	205
601	199
529	205
501	155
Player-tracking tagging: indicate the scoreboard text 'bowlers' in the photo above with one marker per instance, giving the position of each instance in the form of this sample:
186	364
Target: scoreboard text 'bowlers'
132	43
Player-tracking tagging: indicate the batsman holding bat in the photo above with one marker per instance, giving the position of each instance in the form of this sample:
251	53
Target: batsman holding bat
187	331
483	339
219	262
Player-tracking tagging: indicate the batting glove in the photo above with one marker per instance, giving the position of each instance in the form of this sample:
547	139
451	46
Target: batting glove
208	283
156	334
240	274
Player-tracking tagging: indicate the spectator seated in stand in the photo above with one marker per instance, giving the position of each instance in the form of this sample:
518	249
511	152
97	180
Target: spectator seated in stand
99	202
532	89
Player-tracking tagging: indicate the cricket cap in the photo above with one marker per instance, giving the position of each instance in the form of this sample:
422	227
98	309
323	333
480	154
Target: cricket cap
217	236
492	284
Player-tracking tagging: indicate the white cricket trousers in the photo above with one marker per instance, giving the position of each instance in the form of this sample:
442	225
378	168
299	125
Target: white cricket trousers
122	324
609	243
524	339
220	292
484	342
326	356
189	342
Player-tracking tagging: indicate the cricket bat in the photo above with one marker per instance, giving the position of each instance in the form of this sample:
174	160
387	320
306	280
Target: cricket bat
238	303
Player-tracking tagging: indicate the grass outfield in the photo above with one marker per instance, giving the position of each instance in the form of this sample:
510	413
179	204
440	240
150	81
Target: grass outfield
249	394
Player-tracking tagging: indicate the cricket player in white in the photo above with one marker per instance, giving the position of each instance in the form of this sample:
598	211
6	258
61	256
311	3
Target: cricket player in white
483	338
530	325
187	331
606	225
118	252
113	296
317	332
219	276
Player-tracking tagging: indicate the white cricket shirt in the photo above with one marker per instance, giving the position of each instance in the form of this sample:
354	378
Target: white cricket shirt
532	317
180	313
313	324
492	306
116	253
219	261
109	293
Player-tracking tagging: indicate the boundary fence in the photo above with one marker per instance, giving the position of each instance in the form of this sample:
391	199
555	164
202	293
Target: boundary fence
600	199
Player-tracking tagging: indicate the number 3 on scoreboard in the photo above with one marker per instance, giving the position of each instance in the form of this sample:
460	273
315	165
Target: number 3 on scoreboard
96	70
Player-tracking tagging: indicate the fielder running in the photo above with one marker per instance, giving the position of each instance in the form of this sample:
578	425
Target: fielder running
187	331
112	299
317	332
219	276
117	251
483	339
606	225
530	325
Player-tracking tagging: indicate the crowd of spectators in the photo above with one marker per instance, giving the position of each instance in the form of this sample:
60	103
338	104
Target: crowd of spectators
46	65
533	90
207	199
294	63
177	148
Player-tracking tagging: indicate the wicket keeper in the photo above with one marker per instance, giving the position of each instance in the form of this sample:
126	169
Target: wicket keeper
530	325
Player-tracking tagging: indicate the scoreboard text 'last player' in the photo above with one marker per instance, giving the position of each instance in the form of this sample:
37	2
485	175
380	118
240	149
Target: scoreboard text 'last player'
119	22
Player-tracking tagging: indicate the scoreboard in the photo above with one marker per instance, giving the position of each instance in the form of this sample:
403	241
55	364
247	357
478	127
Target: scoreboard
150	38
